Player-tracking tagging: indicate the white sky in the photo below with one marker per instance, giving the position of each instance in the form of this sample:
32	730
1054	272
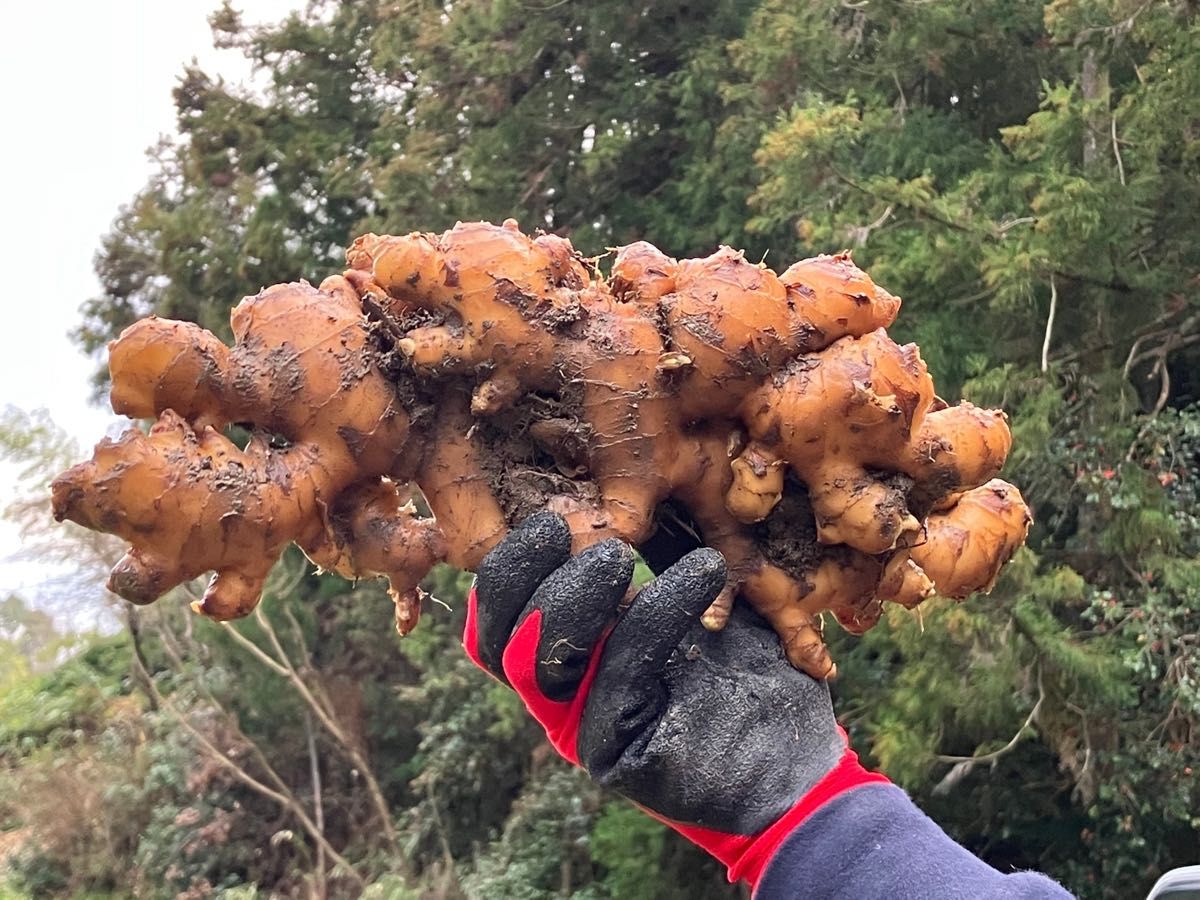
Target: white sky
85	89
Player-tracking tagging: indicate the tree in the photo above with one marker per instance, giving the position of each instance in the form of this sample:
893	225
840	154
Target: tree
1015	171
1023	173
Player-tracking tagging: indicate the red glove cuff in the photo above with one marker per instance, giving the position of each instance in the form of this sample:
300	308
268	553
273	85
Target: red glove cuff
746	856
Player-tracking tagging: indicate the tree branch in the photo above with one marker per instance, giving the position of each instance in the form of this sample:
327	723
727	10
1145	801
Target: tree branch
280	663
314	775
859	234
1049	324
282	796
1169	338
141	671
1119	286
1117	152
964	765
253	648
328	718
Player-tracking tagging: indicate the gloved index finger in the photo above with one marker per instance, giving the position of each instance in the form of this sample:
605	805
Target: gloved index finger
662	613
577	602
628	691
509	575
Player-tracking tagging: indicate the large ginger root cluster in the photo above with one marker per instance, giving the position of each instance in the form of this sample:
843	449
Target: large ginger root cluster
499	374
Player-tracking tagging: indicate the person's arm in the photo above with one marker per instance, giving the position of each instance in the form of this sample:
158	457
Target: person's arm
874	842
713	733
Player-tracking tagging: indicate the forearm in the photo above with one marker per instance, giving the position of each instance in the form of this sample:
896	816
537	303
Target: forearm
873	842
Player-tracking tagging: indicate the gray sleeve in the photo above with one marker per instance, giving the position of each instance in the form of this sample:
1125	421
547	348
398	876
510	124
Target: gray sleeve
873	842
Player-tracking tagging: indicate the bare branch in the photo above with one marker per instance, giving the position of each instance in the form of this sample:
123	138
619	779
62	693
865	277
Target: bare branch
1169	338
859	234
282	796
1117	152
261	655
328	718
260	616
1117	30
314	774
141	671
1004	227
1084	778
298	635
1049	324
902	102
1164	384
966	764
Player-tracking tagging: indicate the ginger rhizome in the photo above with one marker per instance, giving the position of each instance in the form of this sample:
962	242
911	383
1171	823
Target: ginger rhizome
499	374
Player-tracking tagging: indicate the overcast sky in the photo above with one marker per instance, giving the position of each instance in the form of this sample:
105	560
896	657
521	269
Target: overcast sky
85	89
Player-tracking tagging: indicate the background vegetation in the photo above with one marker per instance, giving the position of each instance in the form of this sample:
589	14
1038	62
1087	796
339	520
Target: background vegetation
1025	174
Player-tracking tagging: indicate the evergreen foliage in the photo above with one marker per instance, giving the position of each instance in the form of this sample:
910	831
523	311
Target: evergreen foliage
1026	175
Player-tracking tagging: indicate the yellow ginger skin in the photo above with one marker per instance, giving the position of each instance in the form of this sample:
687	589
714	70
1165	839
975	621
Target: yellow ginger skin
495	374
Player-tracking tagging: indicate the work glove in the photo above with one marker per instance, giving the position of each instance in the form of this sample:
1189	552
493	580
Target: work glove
714	733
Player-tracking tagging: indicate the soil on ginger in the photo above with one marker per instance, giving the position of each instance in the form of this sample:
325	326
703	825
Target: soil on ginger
535	451
788	536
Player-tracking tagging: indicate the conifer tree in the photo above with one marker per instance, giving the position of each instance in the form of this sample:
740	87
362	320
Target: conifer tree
1024	174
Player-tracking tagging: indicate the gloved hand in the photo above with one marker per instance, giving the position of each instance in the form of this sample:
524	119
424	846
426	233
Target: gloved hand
714	733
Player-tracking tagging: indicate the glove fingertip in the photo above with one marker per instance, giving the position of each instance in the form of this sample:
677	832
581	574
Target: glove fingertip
699	576
704	563
508	576
613	554
588	585
547	528
543	537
